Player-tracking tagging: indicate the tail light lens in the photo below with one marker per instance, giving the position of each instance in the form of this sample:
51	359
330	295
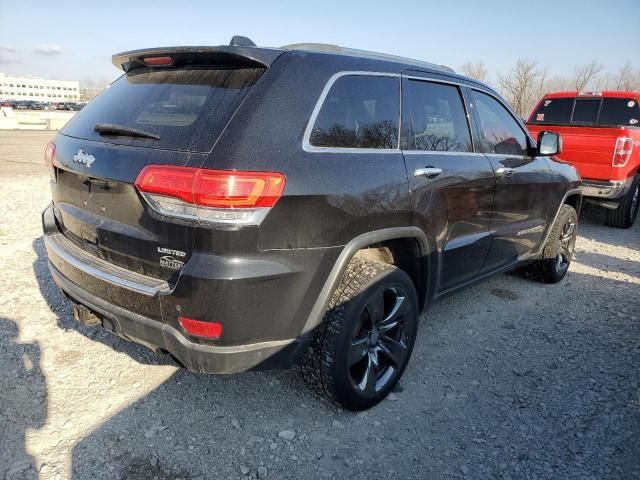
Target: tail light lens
49	155
158	61
198	328
210	196
622	151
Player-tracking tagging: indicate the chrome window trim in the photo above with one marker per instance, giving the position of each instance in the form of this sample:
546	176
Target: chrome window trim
306	144
438	152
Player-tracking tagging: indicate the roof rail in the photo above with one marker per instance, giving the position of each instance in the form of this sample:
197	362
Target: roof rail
353	52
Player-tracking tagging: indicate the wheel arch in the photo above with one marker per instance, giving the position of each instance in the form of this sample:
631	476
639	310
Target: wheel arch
398	246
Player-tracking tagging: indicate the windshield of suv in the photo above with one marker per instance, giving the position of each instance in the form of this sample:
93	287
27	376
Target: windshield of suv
603	112
187	108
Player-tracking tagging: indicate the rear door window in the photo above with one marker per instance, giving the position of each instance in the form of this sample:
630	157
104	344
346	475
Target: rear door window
187	108
502	134
437	119
586	111
553	111
360	111
619	112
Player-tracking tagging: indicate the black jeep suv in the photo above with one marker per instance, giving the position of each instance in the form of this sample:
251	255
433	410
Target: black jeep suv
253	208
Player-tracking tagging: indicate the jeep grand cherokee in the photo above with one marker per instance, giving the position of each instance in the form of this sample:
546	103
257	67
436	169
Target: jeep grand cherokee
253	208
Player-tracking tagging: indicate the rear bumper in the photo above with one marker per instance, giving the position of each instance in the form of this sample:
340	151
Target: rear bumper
606	189
262	303
160	336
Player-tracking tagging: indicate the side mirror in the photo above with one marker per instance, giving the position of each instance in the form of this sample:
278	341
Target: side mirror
549	144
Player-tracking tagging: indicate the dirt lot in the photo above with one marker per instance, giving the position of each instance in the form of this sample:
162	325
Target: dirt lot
510	379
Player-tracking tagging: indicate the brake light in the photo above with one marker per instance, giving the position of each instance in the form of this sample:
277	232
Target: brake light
213	196
622	151
49	155
198	328
158	61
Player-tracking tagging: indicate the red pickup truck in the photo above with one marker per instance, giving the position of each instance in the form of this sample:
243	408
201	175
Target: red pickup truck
601	137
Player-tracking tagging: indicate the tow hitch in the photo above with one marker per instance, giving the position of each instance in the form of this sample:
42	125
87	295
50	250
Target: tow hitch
83	315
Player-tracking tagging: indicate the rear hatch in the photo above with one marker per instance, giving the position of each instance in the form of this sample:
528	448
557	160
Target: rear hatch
589	127
169	114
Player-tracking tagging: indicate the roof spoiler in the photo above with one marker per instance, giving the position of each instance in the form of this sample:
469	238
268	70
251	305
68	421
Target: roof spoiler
237	54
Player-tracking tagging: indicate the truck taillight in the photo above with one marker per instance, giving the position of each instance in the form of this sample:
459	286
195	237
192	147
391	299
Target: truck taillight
49	155
210	196
622	151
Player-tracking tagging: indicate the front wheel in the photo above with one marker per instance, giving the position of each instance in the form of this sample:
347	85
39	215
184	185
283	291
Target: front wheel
557	253
362	347
625	215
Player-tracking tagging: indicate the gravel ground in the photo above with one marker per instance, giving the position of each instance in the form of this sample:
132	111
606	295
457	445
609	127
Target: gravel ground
509	379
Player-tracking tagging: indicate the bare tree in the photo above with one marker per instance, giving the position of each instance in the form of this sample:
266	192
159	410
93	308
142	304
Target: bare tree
586	74
523	85
476	70
624	79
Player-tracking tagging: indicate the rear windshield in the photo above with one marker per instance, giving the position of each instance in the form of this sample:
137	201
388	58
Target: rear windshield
606	112
619	111
187	108
553	111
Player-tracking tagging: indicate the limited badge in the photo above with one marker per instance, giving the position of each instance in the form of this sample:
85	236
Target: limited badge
540	117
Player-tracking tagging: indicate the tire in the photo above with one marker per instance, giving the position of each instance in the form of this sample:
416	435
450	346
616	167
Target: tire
625	215
553	264
349	360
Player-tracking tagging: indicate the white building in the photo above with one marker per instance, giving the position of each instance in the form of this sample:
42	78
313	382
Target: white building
40	89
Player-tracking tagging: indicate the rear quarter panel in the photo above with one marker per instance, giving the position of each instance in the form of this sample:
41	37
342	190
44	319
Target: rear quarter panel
329	198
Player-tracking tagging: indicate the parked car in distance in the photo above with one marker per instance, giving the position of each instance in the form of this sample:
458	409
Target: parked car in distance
251	208
601	138
23	105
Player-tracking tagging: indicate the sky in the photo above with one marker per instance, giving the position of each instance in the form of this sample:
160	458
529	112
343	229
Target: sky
74	40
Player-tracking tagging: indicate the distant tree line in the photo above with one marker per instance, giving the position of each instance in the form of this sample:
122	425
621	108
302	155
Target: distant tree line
526	82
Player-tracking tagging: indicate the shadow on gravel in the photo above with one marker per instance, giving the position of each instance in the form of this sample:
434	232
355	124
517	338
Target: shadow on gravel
547	389
23	401
58	304
554	400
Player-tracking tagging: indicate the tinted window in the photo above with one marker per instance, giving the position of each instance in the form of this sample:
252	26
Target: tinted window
359	112
502	134
437	118
188	108
619	111
553	111
586	111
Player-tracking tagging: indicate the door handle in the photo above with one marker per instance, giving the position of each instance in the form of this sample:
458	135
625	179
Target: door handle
427	172
505	172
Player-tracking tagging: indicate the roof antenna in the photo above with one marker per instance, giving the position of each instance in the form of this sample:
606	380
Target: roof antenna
240	41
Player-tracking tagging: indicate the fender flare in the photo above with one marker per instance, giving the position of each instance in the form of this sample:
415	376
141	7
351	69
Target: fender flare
350	249
569	193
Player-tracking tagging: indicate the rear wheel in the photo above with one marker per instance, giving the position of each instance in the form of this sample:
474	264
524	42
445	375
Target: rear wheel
362	347
625	215
558	251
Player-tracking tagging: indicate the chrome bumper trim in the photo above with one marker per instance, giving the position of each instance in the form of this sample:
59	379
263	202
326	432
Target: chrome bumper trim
101	269
606	189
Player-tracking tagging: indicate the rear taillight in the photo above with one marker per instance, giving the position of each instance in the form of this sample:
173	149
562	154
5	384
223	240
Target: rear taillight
210	196
622	151
198	328
49	155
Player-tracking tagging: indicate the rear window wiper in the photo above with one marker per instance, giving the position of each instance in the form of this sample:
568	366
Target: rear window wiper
122	131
